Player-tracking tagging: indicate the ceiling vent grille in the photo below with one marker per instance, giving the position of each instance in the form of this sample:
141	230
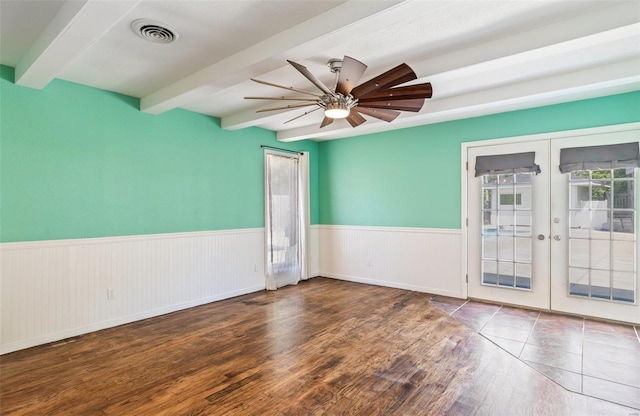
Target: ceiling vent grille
154	31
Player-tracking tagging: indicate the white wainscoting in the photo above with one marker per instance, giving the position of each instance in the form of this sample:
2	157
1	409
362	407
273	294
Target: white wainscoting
420	259
51	290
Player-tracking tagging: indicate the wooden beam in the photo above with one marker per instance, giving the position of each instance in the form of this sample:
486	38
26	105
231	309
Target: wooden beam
75	28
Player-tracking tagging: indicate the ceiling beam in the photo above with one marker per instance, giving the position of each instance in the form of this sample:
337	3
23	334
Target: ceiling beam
331	28
75	27
611	19
613	78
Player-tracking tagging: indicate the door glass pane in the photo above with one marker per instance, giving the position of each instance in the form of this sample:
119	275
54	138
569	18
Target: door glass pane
523	276
506	232
506	221
579	281
622	224
505	248
600	284
505	271
579	223
624	253
578	253
623	194
624	286
523	196
600	225
602	261
489	272
523	250
489	247
600	254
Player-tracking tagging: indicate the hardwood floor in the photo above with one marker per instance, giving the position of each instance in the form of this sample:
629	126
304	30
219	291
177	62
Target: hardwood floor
323	347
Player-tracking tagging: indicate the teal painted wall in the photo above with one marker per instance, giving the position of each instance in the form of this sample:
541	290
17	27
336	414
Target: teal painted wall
81	162
411	177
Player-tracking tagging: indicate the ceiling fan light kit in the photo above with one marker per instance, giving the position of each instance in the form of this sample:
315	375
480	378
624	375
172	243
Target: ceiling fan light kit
381	97
338	110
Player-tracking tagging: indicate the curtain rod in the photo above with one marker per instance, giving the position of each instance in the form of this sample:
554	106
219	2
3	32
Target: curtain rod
282	150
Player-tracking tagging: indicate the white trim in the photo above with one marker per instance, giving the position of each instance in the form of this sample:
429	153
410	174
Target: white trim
74	332
549	136
395	285
21	245
391	229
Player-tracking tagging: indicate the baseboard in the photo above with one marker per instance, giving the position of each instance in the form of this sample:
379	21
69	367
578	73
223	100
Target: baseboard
395	285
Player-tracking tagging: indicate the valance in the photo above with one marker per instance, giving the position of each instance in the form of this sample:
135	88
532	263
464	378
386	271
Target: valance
504	164
611	156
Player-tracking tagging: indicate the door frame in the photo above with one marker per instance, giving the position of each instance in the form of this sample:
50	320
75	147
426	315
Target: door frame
464	147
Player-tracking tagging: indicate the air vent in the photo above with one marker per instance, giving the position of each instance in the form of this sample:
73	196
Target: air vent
154	31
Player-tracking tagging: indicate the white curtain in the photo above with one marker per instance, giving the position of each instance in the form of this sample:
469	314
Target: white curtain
286	218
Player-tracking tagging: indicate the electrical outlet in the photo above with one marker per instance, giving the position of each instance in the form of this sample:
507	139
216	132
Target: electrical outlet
255	267
111	294
369	262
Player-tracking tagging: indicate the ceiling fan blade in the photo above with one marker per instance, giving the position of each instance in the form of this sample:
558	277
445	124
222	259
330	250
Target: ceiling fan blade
301	115
401	105
286	88
395	76
314	80
326	121
408	92
355	119
282	98
350	74
382	114
284	107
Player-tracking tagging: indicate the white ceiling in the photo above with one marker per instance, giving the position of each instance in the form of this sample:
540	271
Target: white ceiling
481	56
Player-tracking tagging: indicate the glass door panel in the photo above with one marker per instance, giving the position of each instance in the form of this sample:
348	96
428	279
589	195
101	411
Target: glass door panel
507	212
598	276
506	234
602	202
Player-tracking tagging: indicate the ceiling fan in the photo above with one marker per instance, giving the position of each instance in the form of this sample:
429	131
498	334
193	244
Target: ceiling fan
380	97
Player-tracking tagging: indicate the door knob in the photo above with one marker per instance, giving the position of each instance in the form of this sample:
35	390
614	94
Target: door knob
556	237
540	237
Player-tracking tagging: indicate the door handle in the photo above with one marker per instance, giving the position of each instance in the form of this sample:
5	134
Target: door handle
540	237
556	237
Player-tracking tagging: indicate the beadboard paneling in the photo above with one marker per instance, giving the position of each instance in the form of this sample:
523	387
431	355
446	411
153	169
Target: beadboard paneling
420	259
52	290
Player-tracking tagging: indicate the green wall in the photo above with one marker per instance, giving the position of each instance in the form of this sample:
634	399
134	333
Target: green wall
411	177
81	162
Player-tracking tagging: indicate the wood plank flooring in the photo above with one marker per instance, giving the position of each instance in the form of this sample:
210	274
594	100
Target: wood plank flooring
323	347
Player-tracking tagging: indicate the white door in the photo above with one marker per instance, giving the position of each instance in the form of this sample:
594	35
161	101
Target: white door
594	248
508	231
560	241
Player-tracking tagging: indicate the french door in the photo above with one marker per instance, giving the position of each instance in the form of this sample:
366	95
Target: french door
551	240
